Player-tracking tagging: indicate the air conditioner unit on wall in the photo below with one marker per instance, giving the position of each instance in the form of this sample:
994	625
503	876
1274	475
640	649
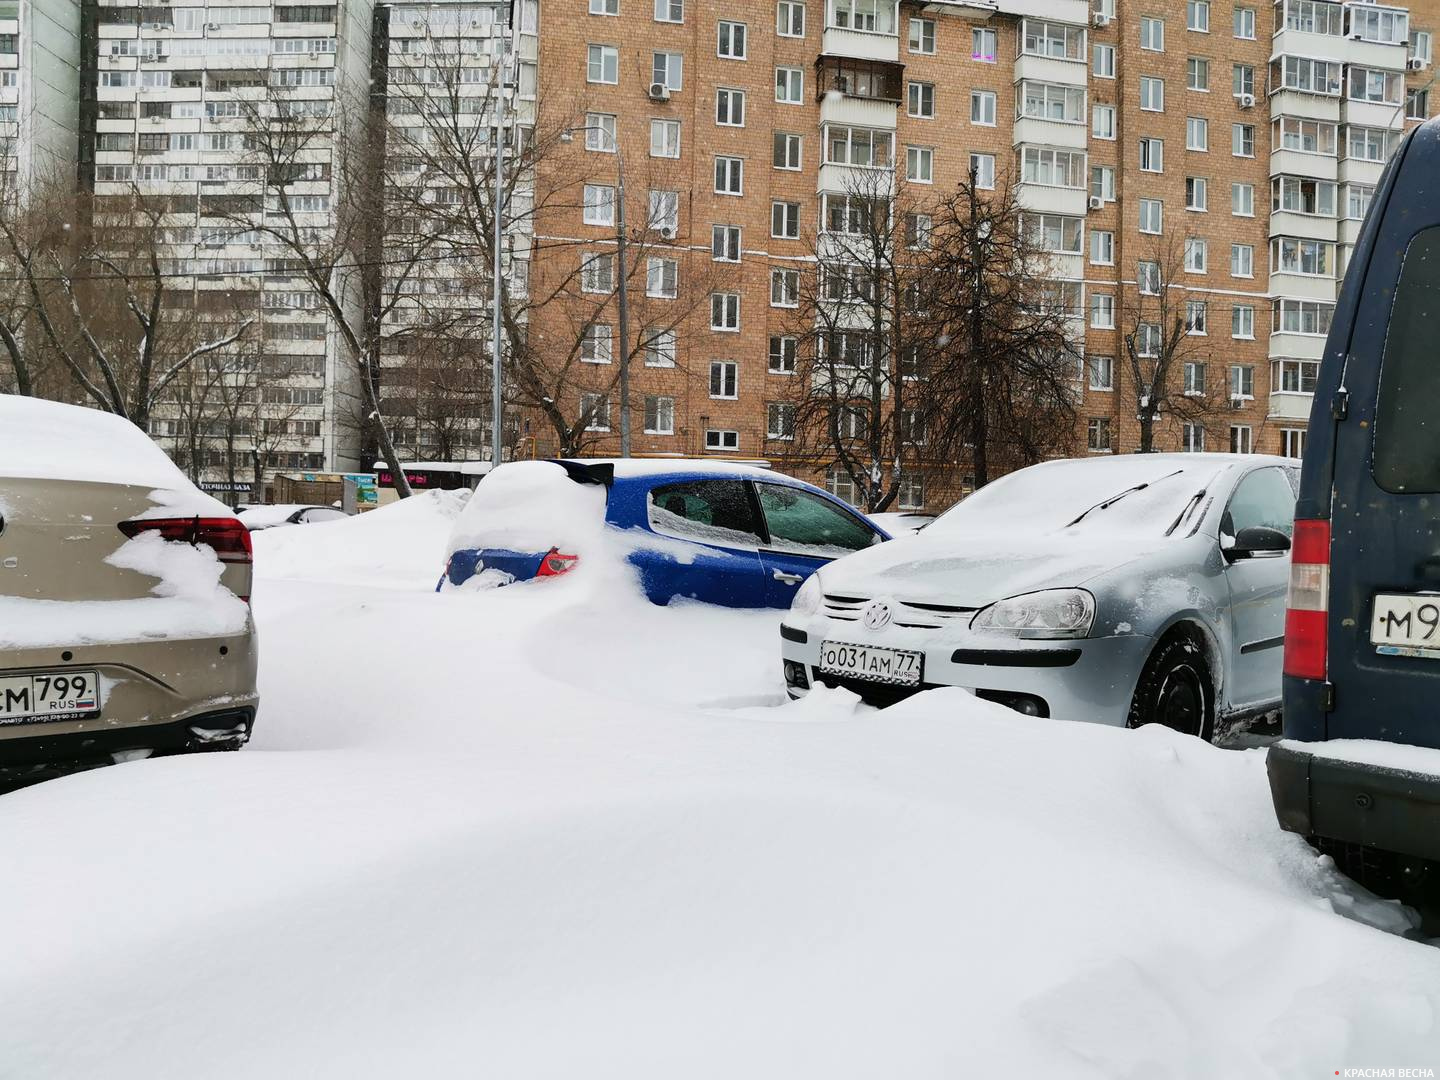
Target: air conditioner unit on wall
1101	19
1096	202
1416	63
1246	101
1237	402
659	92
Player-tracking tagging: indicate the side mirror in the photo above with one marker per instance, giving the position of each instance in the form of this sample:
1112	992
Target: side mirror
1257	541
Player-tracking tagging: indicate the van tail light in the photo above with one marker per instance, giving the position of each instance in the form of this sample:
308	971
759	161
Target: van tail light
556	563
227	537
1308	609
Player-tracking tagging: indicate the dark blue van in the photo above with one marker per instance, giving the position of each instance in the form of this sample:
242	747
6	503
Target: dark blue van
1362	634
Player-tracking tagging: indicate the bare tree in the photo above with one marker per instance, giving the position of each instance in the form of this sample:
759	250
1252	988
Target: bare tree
1167	359
863	340
1007	374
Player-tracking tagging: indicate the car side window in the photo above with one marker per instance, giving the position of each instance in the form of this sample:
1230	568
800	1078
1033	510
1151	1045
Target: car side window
710	511
803	522
1264	497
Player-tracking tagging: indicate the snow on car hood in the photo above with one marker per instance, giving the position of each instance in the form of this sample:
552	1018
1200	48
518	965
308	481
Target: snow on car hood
977	571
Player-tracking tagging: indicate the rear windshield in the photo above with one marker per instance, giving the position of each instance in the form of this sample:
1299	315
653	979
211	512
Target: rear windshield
1407	427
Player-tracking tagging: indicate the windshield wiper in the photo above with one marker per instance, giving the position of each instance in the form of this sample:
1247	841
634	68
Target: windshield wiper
1189	506
1113	499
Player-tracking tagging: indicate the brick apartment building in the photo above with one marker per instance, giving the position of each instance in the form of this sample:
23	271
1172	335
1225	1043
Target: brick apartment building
1249	136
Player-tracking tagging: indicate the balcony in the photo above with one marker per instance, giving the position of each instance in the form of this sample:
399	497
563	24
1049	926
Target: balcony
1302	163
861	44
1285	405
874	81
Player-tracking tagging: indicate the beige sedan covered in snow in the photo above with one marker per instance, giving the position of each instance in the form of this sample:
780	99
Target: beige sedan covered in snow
125	625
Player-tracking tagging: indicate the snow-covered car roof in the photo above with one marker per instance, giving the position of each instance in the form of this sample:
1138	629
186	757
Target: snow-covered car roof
47	440
634	468
258	516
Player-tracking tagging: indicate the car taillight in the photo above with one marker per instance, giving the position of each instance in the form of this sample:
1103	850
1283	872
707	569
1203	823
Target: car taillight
555	563
227	536
1307	610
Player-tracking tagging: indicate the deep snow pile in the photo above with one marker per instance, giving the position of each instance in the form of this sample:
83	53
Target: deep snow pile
553	831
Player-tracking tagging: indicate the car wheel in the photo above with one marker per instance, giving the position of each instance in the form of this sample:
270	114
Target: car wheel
1176	690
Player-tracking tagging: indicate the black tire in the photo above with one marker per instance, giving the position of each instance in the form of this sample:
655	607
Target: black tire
1176	689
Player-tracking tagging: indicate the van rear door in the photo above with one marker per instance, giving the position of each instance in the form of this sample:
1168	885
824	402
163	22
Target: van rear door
1383	467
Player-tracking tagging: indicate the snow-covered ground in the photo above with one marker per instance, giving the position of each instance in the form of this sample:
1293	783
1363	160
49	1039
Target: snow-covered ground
552	831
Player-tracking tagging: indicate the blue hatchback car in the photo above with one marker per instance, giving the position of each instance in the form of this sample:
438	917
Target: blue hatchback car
733	535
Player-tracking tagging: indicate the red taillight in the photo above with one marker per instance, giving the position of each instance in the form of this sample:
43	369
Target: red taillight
227	536
1307	612
555	563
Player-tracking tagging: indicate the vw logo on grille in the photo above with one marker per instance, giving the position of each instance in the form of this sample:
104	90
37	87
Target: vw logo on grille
877	615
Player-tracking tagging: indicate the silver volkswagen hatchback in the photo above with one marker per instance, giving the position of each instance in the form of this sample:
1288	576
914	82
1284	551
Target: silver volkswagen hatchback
1119	590
125	625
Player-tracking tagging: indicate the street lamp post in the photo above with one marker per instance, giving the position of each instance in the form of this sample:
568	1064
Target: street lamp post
497	399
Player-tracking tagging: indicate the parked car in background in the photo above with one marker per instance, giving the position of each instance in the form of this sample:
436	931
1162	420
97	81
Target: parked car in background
902	523
125	625
1123	590
733	535
256	517
1358	770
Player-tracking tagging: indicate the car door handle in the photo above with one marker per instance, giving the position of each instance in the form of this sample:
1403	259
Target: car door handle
788	579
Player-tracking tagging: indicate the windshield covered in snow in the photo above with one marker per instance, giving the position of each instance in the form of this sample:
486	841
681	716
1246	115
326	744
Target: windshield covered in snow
1137	495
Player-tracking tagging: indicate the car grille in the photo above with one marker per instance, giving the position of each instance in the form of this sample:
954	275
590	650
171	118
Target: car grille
915	616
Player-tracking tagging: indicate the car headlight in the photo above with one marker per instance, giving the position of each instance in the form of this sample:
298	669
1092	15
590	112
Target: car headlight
1054	613
807	599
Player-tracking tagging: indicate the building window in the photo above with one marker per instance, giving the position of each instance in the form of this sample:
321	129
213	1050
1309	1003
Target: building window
1152	155
918	228
1152	34
599	205
672	11
729	176
1195	255
1147	277
1242	322
1242	80
602	64
1292	442
920	100
1302	317
1152	216
725	243
659	415
1294	376
604	7
595	408
779	420
785	220
600	132
1295	255
665	138
1197	16
1197	133
597	273
1417	104
730	107
1242	200
982	168
1192	438
1102	122
1102	372
725	312
668	69
664	212
659	348
790	18
1242	381
919	164
1358	198
1102	247
1242	140
1242	260
1196	193
1102	311
724	379
1102	183
1194	378
721	440
1197	320
595	345
789	85
730	41
783	351
983	45
1097	437
1152	94
1103	62
786	151
1245	23
1147	339
784	288
1241	439
982	107
1197	74
842	486
922	36
662	278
